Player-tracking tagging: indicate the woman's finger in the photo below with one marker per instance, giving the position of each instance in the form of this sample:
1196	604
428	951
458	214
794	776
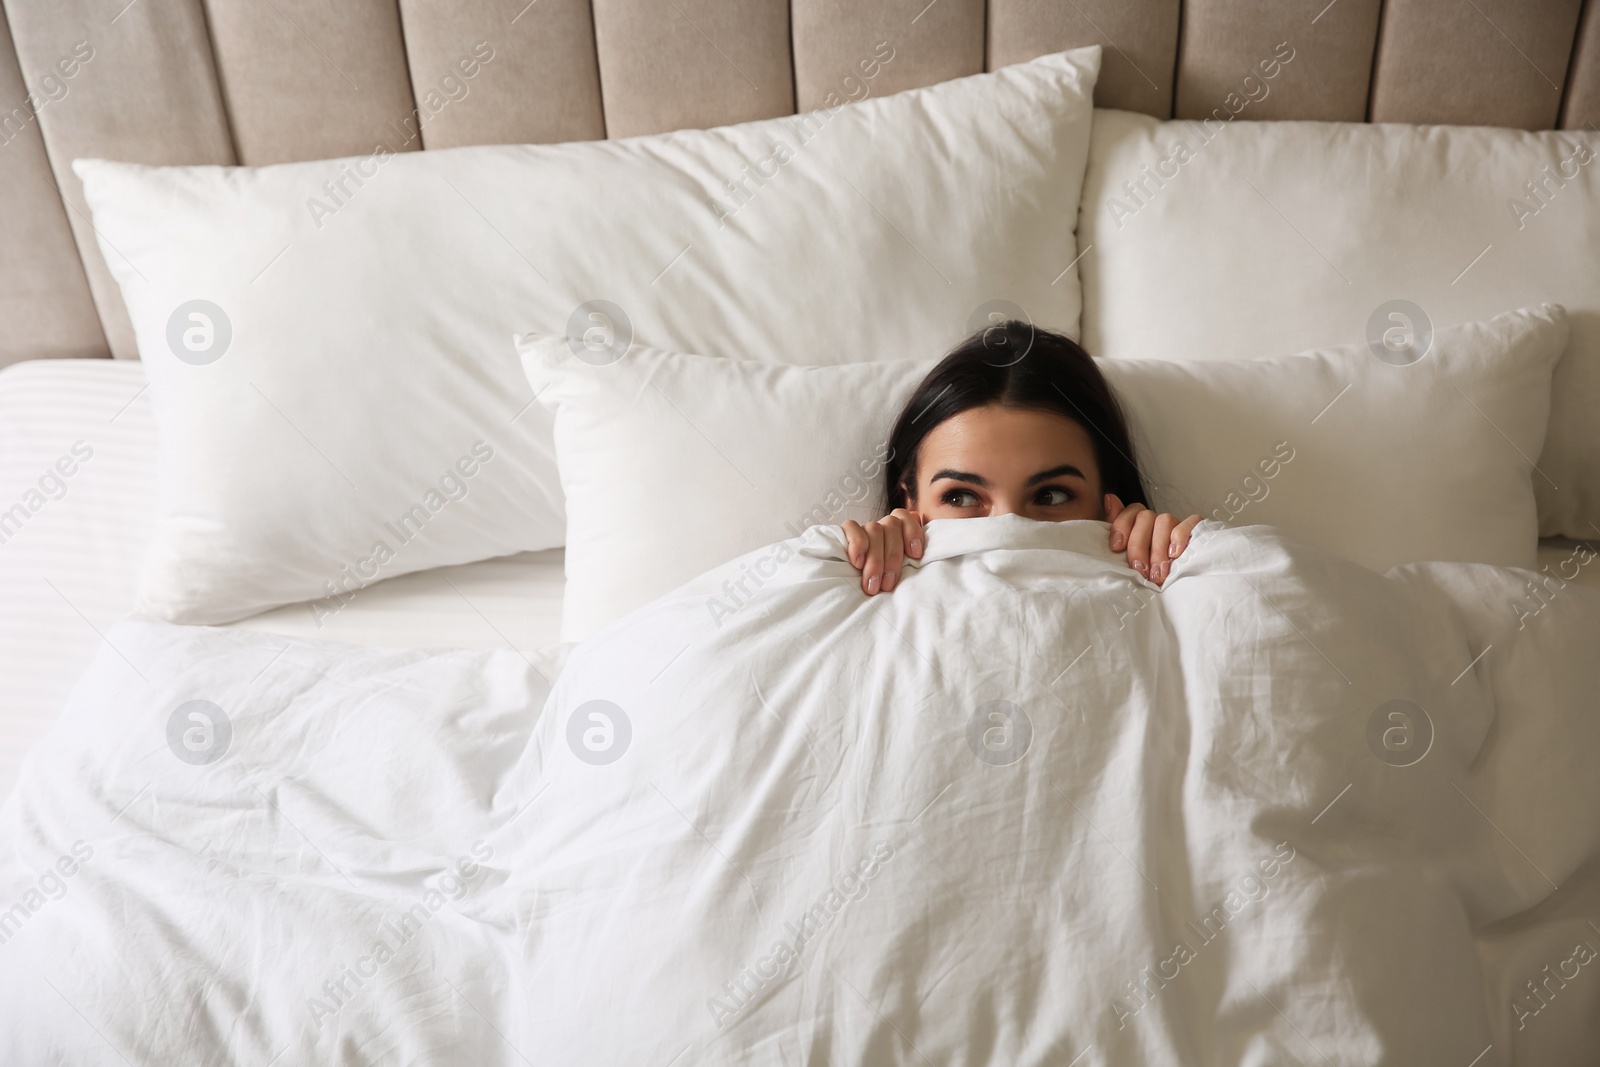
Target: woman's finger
872	569
1160	545
1139	540
1122	525
912	532
893	551
855	543
1181	534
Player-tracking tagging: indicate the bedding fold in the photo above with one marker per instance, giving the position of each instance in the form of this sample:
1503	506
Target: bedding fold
1029	808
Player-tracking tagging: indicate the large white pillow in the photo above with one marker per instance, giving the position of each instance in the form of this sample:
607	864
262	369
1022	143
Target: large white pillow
675	463
1235	240
329	344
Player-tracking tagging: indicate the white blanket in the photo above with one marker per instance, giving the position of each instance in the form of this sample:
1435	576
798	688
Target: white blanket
1026	809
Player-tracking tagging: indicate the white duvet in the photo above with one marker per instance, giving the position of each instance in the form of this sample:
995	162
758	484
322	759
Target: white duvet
1027	809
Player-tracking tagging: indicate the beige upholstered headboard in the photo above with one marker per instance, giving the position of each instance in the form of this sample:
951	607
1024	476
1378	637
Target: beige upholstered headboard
266	81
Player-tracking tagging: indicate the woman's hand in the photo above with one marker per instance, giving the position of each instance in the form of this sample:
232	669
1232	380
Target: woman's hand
1152	541
879	549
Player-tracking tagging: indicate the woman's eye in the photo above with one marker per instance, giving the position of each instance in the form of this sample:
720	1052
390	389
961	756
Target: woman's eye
959	498
1055	496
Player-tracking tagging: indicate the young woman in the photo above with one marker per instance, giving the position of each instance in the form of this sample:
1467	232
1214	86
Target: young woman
1014	421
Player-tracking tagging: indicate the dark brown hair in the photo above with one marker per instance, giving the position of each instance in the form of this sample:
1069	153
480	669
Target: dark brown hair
1015	364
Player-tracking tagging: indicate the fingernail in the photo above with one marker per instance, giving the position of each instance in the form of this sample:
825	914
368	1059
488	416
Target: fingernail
916	548
1116	541
1138	567
872	585
888	582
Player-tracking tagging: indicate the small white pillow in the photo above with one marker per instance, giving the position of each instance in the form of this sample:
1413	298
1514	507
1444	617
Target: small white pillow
328	343
1381	463
675	463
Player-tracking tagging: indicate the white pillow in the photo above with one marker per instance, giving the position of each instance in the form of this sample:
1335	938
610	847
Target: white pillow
351	364
1256	238
674	463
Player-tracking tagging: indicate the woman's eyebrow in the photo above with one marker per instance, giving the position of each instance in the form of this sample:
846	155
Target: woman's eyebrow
1056	472
959	476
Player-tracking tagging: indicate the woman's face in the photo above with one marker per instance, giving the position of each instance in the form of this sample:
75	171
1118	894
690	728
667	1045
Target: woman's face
1008	461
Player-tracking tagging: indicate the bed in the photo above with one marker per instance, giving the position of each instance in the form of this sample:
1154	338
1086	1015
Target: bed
316	228
71	572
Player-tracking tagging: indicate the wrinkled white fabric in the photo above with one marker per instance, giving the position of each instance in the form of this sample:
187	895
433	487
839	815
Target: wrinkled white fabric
794	833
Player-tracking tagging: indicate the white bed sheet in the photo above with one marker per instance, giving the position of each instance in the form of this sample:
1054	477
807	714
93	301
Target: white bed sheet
68	570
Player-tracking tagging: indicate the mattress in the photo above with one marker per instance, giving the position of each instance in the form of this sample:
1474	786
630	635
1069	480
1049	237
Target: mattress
70	548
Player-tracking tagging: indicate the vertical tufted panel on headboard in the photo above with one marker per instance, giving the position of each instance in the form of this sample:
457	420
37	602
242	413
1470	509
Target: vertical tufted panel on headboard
726	61
45	306
1323	53
149	95
540	85
1582	108
312	79
1505	64
929	41
1139	39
